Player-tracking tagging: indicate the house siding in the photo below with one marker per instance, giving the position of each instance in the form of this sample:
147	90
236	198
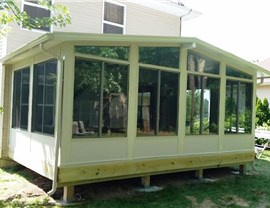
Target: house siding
87	18
145	21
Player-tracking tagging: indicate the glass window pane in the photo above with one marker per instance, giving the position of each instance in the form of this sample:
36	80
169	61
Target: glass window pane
236	73
210	105
44	94
86	106
160	56
20	98
24	117
38	119
114	13
115	103
115	52
37	12
168	103
193	104
16	99
198	63
48	122
147	102
50	73
245	107
49	95
112	29
231	108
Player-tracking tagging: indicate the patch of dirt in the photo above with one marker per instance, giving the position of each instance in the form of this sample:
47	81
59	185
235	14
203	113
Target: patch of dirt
23	185
207	203
234	200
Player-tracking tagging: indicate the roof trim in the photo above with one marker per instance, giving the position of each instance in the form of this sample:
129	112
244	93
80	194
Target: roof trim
190	42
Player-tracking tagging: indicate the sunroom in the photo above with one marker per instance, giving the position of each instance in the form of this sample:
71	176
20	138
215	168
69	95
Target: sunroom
83	108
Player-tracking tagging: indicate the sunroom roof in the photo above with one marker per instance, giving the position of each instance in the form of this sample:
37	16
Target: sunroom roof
52	39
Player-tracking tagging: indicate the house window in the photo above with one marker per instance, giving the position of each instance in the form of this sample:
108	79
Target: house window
100	103
35	10
202	104
114	18
44	95
157	102
238	110
20	98
202	95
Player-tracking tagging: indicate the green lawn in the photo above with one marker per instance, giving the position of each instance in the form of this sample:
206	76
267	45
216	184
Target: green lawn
251	190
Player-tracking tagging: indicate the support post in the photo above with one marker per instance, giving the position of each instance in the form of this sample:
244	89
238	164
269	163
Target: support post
199	174
242	170
145	181
68	195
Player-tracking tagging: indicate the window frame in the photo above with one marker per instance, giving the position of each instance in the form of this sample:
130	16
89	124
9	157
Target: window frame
238	81
14	99
43	105
25	2
159	70
102	60
204	74
122	26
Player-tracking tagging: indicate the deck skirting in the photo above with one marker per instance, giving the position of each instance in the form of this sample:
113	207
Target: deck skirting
74	175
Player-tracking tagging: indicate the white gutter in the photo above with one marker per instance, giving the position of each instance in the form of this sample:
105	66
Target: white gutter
58	117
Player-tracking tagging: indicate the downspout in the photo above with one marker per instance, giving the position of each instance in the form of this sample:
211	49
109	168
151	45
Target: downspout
181	17
58	117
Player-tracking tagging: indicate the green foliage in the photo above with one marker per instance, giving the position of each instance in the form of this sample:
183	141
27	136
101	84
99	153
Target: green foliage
161	56
115	52
262	112
9	12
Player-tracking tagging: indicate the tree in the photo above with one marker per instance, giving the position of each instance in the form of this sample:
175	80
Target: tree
10	13
262	112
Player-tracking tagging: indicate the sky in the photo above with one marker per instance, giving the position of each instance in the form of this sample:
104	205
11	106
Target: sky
241	27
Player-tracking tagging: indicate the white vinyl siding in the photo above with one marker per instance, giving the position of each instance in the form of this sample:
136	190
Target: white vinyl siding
86	16
146	21
3	47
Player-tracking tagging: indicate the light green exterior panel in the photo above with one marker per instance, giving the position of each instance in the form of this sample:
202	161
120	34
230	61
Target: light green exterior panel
126	153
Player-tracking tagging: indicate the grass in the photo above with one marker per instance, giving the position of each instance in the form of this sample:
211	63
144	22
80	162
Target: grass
251	190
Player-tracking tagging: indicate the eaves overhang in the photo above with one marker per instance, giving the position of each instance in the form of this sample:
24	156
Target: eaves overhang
50	40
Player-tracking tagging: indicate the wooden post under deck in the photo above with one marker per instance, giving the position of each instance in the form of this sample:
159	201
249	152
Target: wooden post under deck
68	195
242	170
145	181
199	174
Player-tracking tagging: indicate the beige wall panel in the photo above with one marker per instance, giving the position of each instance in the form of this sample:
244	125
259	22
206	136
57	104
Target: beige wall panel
96	150
238	142
201	144
86	16
39	145
34	151
19	141
43	146
155	147
144	21
18	37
